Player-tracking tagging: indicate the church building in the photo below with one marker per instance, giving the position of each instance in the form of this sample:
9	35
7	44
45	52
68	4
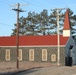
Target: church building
40	48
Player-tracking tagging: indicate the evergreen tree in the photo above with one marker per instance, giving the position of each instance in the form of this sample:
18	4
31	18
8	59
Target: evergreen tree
43	24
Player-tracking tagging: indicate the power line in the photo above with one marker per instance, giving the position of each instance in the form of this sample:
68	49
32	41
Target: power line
4	2
10	1
32	4
25	1
6	25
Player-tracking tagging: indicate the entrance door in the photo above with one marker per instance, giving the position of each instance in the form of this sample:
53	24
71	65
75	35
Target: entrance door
73	55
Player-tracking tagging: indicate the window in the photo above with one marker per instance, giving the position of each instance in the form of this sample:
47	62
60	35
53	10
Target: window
53	57
20	54
7	55
31	54
44	54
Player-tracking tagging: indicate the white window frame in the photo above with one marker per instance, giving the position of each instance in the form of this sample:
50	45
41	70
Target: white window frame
44	55
20	54
7	54
31	53
53	57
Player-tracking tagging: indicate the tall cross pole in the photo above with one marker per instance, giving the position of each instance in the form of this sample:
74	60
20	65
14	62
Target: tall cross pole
58	38
57	16
17	32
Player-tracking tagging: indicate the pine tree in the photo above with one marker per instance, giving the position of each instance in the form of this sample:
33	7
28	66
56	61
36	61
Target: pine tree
43	24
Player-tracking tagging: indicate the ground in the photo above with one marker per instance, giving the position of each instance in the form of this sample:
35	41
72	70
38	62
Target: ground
36	69
50	71
12	66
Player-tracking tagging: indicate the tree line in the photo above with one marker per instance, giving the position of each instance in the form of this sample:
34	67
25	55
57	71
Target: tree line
43	24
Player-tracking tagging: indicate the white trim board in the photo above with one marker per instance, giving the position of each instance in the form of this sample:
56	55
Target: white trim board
37	46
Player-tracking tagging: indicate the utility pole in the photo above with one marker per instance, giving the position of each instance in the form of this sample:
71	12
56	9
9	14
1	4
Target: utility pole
58	37
17	32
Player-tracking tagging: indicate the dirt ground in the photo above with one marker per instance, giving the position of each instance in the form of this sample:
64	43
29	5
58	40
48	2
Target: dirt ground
43	69
12	66
62	70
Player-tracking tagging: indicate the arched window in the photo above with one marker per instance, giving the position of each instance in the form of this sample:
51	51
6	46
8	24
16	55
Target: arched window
53	57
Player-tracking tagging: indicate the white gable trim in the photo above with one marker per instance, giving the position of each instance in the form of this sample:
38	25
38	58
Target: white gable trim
37	46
